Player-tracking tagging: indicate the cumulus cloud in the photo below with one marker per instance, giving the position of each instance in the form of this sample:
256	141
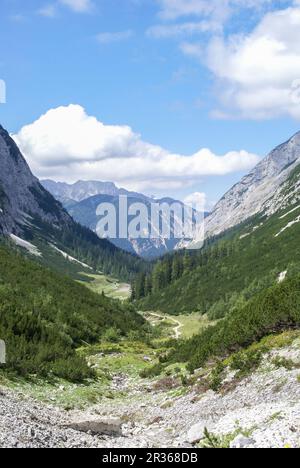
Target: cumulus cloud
67	144
259	73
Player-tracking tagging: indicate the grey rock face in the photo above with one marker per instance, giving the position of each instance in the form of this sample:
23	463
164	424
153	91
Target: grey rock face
97	425
81	190
255	192
21	194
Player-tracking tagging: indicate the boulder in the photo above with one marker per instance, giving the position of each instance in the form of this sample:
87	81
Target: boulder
241	442
2	352
197	432
97	425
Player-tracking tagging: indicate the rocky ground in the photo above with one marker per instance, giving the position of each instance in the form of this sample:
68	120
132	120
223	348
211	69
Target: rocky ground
261	410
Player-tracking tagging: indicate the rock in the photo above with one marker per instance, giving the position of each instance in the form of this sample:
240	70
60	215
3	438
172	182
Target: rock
196	432
241	442
97	425
252	195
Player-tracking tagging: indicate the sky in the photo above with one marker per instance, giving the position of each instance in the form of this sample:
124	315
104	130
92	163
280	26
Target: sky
168	97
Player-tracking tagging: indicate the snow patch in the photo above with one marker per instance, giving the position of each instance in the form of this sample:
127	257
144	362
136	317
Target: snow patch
71	259
244	235
289	212
32	249
297	220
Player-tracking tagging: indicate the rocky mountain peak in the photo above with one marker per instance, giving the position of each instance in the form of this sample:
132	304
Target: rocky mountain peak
254	192
80	190
21	195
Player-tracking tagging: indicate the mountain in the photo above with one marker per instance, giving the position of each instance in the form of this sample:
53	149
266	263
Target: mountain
242	261
45	317
69	194
85	213
82	207
21	194
38	223
260	191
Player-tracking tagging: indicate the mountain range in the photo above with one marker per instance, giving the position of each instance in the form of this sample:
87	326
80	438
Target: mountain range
82	198
69	194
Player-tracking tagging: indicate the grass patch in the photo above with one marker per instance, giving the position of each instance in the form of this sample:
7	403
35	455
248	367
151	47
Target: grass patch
212	441
111	287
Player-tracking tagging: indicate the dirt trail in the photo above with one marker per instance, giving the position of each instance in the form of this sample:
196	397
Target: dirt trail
178	325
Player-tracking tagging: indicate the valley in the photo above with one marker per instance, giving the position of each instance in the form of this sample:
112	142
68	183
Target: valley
195	349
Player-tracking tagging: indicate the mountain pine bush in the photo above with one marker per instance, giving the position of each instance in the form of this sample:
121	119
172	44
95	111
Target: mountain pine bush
272	310
45	316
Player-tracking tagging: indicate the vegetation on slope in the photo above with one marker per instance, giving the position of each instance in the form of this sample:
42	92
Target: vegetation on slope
226	273
274	309
44	317
83	244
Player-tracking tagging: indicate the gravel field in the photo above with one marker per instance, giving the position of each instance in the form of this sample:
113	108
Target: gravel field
265	406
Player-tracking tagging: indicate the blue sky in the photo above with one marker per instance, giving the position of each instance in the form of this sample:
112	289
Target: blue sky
183	75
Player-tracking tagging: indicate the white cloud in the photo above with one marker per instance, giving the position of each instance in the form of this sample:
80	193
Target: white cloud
79	6
195	200
110	37
67	144
49	11
219	10
258	74
163	31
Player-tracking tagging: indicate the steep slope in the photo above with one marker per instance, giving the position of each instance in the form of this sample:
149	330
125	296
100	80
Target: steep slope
21	194
45	316
255	193
233	267
30	213
274	309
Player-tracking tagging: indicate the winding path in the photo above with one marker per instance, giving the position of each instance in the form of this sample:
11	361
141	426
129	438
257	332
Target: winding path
178	325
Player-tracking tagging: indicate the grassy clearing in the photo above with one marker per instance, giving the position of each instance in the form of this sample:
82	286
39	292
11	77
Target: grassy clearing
107	359
59	392
193	324
190	325
111	287
125	357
